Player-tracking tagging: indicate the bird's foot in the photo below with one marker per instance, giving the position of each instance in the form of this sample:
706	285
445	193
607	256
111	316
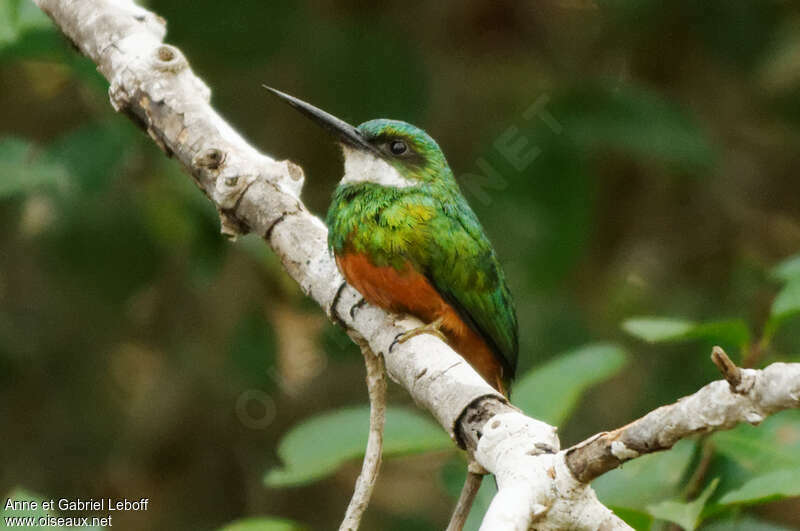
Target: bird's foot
433	328
357	306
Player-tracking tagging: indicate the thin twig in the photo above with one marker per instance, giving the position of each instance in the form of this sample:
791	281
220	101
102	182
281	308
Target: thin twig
465	500
695	483
756	352
729	370
376	386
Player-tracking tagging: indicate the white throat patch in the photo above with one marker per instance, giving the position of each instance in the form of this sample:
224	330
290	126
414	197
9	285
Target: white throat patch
361	166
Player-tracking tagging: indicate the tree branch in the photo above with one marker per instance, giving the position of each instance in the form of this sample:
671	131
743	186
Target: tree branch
746	395
540	487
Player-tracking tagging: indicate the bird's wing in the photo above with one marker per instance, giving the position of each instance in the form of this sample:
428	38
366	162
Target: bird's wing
464	269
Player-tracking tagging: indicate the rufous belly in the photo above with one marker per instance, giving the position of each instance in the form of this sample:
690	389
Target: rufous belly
408	291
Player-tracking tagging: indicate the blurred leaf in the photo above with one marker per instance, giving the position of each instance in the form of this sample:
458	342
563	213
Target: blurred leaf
93	152
252	349
785	305
773	445
104	246
745	523
788	269
663	329
8	17
646	480
773	485
550	392
29	16
634	120
655	329
788	301
637	519
263	524
23	170
318	446
686	515
18	16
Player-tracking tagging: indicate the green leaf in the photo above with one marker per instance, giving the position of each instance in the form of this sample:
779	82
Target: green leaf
18	16
656	329
788	301
317	447
663	329
92	153
771	486
550	392
634	120
262	524
29	17
745	523
686	515
646	480
8	21
637	519
773	445
785	305
23	170
787	270
730	331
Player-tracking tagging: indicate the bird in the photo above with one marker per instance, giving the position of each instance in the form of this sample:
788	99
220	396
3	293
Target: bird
404	236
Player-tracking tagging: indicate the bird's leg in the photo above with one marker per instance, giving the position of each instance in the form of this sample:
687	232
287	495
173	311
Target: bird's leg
434	328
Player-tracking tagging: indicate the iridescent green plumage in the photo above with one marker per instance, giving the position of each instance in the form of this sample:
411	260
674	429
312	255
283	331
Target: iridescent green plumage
406	239
429	225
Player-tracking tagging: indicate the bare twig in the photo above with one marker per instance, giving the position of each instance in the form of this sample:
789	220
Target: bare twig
376	386
695	482
467	497
728	369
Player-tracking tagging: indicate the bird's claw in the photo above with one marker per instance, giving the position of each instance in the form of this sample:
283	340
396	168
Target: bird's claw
432	328
357	306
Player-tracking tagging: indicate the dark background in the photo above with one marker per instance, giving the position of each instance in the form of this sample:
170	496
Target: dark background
666	184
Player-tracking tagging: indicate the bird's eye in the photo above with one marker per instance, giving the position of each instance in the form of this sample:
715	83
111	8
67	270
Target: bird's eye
398	147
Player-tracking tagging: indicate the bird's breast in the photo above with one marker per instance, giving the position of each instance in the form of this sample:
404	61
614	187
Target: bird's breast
402	290
406	290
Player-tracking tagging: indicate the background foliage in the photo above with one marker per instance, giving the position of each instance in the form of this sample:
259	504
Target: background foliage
141	354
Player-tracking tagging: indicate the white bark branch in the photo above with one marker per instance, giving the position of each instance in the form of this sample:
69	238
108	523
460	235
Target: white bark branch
152	83
746	395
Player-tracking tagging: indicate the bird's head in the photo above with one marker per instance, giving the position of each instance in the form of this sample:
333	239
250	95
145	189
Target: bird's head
389	153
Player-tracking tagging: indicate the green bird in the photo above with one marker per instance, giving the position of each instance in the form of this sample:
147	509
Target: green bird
405	237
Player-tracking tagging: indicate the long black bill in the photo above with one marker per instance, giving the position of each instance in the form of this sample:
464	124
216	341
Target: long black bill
342	130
